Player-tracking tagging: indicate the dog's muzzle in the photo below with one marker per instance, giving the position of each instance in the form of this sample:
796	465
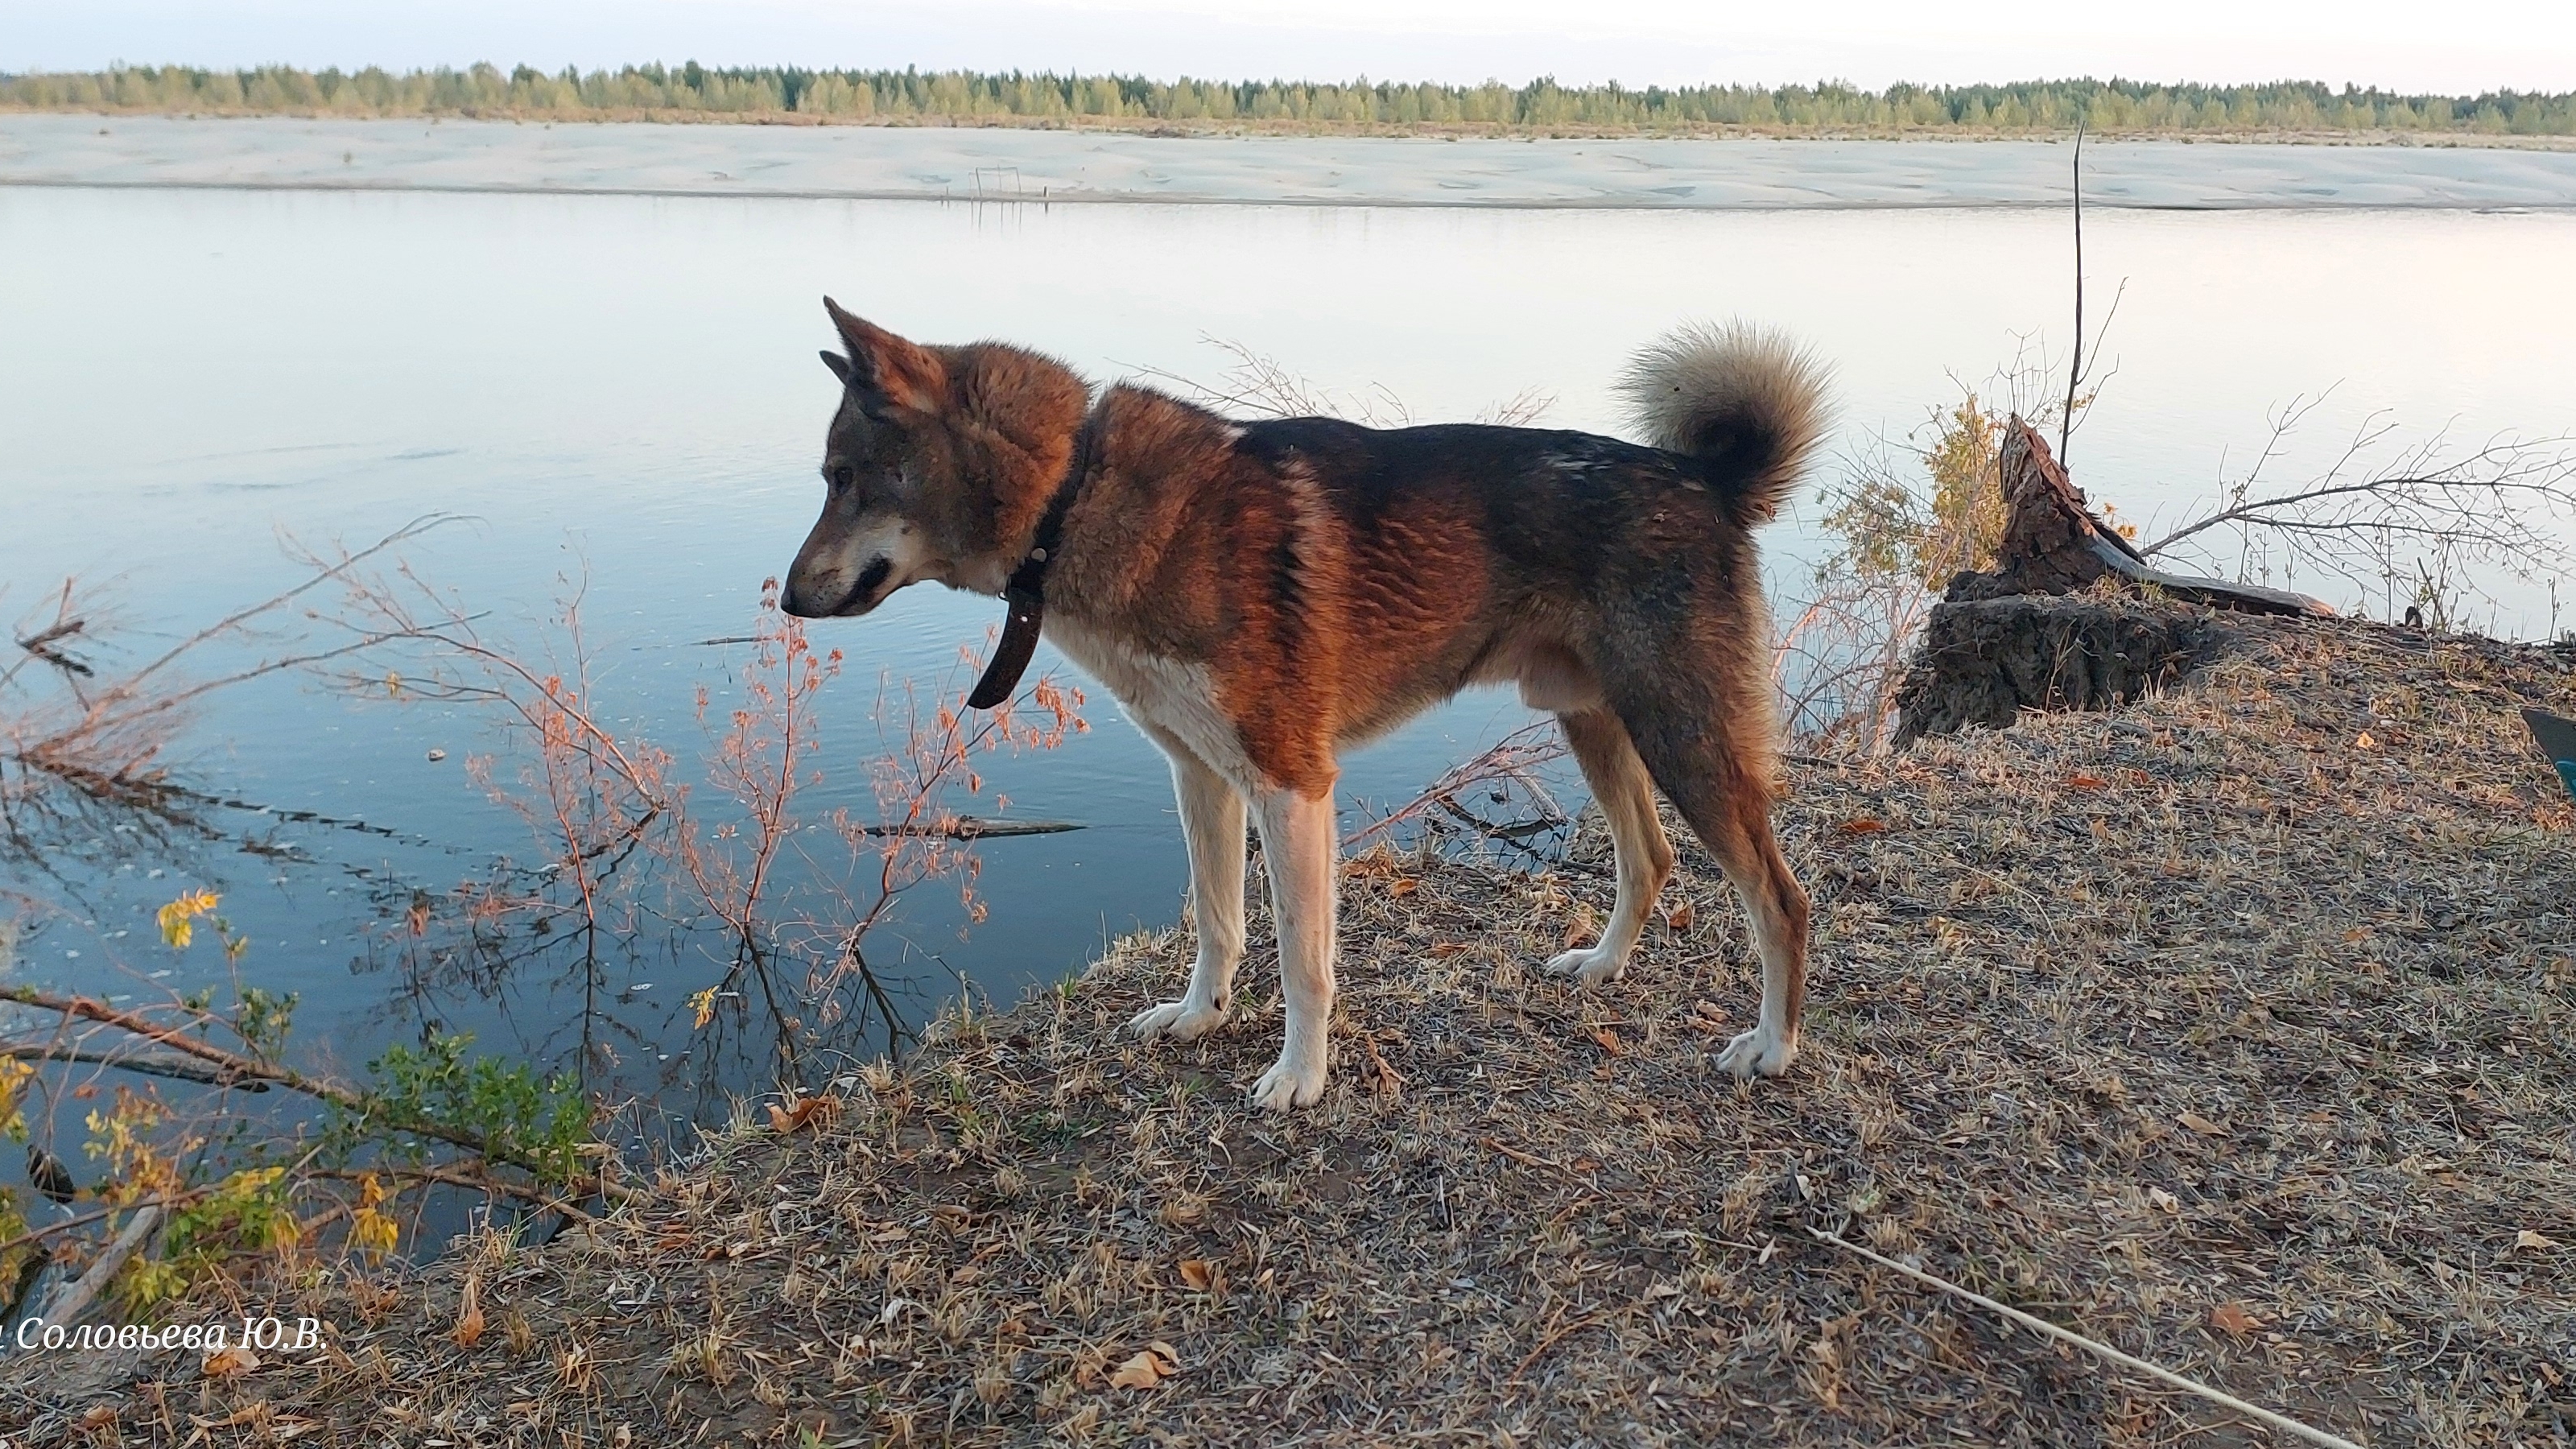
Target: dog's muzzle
866	594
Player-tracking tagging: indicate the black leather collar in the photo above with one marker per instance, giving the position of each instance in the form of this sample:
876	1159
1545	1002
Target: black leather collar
1026	591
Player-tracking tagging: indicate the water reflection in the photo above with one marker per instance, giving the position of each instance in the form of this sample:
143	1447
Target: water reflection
622	389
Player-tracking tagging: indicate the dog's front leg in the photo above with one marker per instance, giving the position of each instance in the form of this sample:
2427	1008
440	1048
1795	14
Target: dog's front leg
1212	824
1298	845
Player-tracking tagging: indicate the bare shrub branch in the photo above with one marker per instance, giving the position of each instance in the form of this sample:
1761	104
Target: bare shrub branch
1514	760
106	733
2386	505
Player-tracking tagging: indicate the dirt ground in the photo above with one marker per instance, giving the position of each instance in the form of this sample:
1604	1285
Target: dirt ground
2231	1028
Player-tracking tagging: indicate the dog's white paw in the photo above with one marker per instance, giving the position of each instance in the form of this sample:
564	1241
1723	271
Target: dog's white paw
1590	966
1288	1085
1181	1020
1758	1053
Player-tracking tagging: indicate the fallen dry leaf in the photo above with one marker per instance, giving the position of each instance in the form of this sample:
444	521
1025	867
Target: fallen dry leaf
1679	918
1581	924
1862	826
2163	1201
1403	886
469	1313
2234	1319
1148	1367
798	1113
1198	1273
2533	1241
2363	741
1388	1082
2080	781
2202	1125
1609	1041
228	1363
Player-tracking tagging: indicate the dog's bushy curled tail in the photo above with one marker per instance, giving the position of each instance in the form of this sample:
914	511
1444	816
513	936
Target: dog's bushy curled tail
1747	402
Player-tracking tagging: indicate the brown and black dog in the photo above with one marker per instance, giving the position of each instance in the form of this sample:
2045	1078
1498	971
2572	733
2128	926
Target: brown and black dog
1260	595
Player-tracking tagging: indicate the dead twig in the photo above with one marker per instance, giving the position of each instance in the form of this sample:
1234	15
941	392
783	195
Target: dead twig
2164	1376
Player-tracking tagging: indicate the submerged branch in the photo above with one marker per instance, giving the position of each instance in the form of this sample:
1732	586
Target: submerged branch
970	827
177	1071
243	1069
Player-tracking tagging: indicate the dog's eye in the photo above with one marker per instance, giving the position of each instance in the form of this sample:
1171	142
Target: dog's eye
841	476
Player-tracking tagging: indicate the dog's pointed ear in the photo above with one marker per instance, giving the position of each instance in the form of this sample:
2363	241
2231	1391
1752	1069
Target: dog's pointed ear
887	366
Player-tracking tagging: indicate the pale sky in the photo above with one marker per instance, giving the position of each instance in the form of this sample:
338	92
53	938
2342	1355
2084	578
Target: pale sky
2466	46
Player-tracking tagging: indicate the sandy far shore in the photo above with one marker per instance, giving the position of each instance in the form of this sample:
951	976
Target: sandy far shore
1015	166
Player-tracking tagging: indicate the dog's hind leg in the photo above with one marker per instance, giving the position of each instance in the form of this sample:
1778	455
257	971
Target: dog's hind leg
1692	739
1643	856
1212	825
1298	849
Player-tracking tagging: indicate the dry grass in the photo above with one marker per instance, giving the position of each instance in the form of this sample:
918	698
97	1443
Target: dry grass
2200	1027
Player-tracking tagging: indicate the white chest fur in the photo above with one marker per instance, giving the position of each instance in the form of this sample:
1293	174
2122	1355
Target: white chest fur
1173	701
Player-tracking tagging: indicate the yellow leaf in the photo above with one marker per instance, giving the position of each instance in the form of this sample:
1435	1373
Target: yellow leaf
2364	742
704	1003
373	1233
227	1363
176	917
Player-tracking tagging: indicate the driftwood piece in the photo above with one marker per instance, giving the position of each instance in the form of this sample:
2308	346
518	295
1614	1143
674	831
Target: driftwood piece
2053	544
70	1304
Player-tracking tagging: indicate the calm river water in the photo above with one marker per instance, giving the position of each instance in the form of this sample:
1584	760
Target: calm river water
624	390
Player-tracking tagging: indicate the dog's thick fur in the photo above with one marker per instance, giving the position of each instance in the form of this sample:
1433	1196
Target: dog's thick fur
1260	595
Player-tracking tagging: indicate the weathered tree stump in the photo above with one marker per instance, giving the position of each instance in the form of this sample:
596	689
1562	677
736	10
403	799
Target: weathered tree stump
2037	631
1983	661
2053	544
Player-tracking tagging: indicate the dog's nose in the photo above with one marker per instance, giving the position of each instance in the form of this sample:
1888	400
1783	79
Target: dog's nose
797	601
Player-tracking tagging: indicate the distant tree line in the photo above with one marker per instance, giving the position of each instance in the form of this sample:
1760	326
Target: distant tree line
695	92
